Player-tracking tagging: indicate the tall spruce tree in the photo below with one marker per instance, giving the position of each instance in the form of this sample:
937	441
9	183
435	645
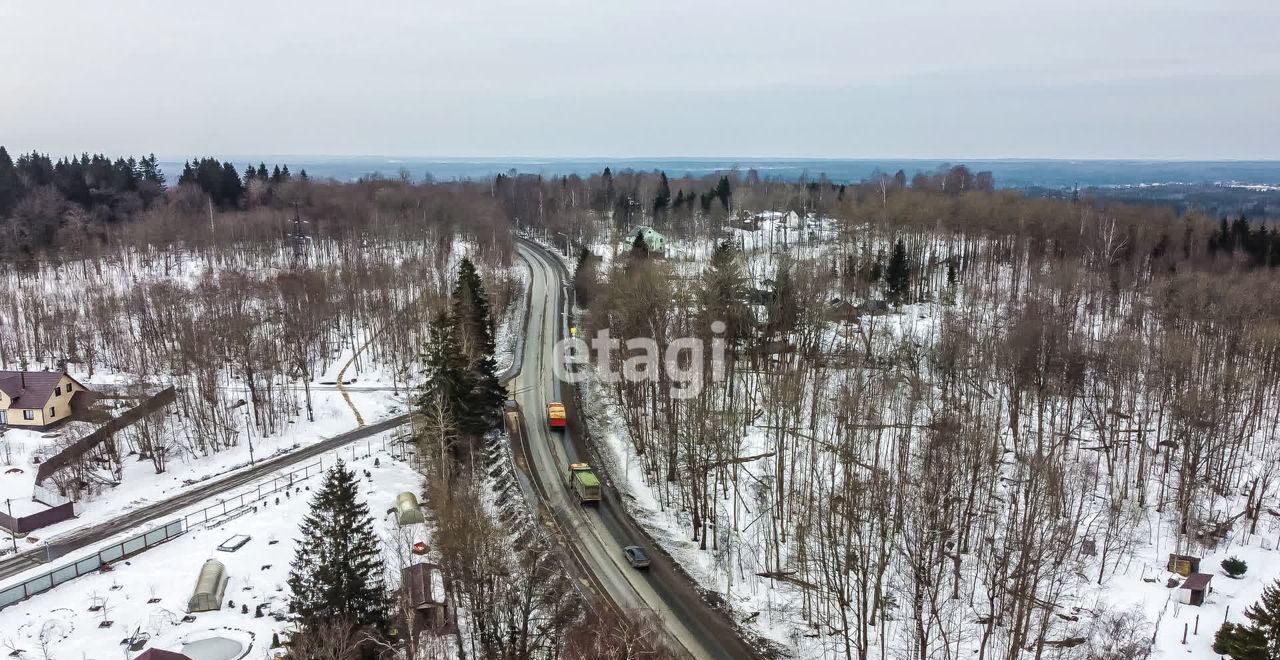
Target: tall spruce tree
663	199
898	273
639	248
724	293
724	192
471	308
449	378
336	575
475	335
10	184
1260	638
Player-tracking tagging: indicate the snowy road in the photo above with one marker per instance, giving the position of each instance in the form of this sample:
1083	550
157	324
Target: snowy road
597	534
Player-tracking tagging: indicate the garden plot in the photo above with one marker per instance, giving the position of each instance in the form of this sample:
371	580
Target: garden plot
147	595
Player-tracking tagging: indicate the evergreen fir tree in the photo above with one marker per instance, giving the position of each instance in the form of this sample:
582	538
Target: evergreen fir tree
1257	640
449	378
724	293
10	185
1234	567
783	310
898	275
284	172
1239	642
471	307
232	187
151	170
1265	618
475	336
263	175
336	575
607	180
724	192
663	199
639	248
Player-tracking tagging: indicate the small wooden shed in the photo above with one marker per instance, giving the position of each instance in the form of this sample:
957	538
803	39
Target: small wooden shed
1193	589
1184	565
210	587
422	586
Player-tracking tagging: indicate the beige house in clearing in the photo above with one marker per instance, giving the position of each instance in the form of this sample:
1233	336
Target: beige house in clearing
36	399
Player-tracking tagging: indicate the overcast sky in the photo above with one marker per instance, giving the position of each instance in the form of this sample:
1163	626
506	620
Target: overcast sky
833	78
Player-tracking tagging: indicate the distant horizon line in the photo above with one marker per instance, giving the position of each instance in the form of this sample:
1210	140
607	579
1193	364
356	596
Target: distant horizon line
833	159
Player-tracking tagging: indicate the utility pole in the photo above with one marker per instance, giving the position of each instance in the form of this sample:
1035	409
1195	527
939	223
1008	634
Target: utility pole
13	533
248	426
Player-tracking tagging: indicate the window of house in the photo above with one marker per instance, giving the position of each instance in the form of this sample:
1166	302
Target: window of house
28	414
57	391
52	414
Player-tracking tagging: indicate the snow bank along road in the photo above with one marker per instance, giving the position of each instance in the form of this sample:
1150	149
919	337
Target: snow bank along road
597	534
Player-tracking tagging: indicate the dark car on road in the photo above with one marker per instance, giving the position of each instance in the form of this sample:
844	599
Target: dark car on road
636	556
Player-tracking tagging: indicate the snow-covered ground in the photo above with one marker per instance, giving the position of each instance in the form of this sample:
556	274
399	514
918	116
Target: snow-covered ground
141	485
776	608
167	572
373	391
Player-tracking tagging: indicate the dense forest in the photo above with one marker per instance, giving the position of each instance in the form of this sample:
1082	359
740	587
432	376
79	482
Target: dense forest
46	203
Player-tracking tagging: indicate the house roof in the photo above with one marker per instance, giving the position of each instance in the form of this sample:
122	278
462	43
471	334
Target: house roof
160	654
1197	581
34	387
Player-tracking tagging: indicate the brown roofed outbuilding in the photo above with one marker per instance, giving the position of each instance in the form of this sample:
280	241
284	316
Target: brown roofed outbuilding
160	654
1193	589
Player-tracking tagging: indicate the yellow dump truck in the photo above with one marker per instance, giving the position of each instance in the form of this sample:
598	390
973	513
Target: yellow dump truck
582	481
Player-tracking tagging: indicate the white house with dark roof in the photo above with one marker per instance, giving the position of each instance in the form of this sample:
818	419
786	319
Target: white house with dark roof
653	240
36	399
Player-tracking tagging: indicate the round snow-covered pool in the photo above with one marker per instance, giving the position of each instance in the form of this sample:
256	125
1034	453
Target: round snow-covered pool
213	648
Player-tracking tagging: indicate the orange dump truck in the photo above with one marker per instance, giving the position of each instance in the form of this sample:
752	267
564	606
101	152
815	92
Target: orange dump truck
555	415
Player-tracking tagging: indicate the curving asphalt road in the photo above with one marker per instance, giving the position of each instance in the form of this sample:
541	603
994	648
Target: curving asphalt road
596	534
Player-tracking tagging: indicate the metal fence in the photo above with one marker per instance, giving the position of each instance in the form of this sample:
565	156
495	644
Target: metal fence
231	505
92	563
84	445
